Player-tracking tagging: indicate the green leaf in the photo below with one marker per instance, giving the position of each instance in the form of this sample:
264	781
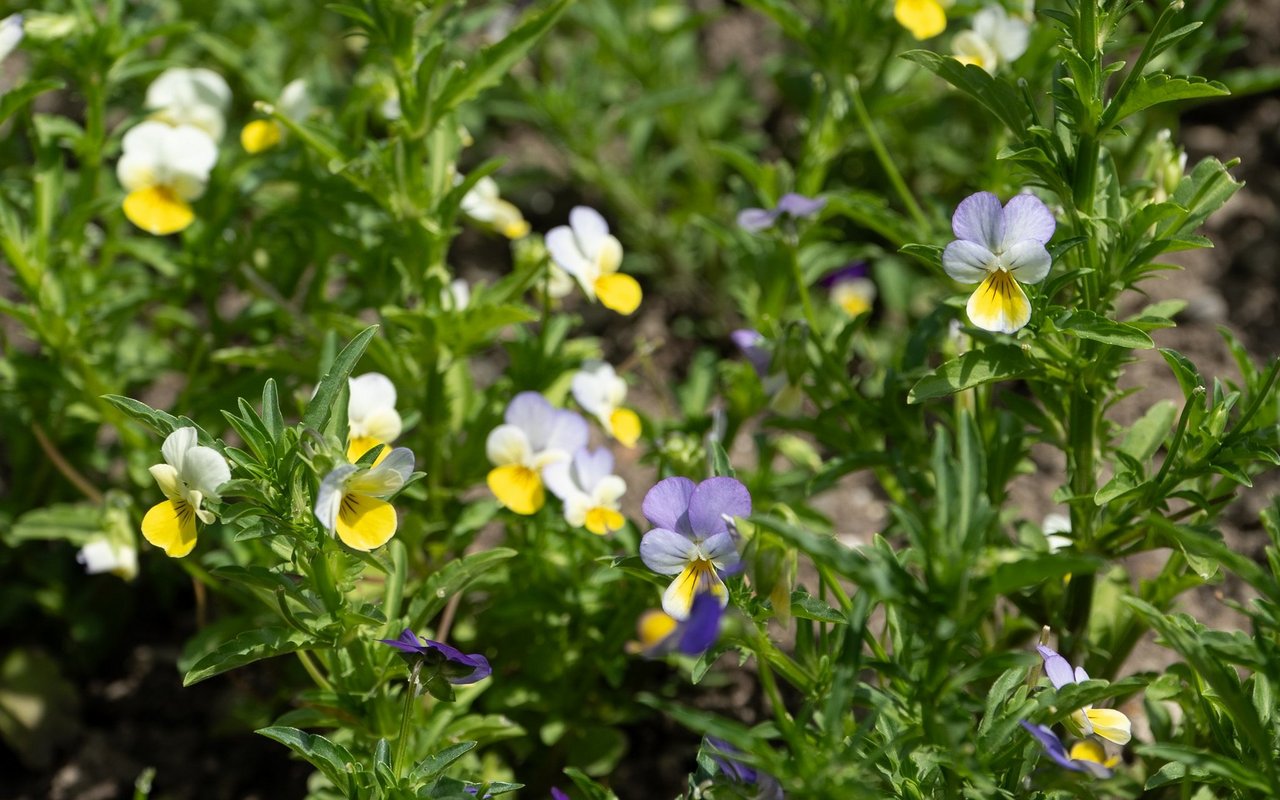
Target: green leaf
806	606
436	763
1095	327
19	96
272	419
452	578
1201	762
158	421
1035	569
334	760
493	63
1156	88
994	363
1188	376
321	405
1147	434
248	647
74	523
998	96
1119	486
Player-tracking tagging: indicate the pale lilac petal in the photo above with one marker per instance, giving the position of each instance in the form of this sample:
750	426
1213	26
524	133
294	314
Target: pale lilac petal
558	477
1081	675
666	505
979	218
1053	747
1055	667
591	467
1026	217
756	219
714	498
564	251
665	551
751	343
589	228
722	551
568	432
966	261
1027	261
531	413
797	205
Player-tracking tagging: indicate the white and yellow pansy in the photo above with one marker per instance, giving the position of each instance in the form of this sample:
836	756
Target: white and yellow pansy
590	491
601	393
534	435
101	554
263	134
372	419
484	204
1000	247
996	38
350	502
587	251
164	168
190	475
197	97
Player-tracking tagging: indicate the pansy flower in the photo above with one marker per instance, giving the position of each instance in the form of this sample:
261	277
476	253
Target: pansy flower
999	247
725	756
795	206
263	134
851	289
458	668
1108	723
11	33
100	554
600	392
923	18
196	97
692	538
586	250
534	435
350	500
589	489
484	204
659	633
996	38
191	474
164	168
1086	756
372	419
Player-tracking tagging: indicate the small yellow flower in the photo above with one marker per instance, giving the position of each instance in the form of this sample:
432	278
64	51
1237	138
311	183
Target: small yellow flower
350	505
164	168
190	475
586	250
923	18
263	134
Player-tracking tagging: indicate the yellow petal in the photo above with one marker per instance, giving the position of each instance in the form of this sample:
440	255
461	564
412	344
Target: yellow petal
1110	724
624	424
518	488
359	445
515	229
653	627
171	526
601	520
259	135
618	292
365	522
999	304
924	18
157	210
1088	750
695	579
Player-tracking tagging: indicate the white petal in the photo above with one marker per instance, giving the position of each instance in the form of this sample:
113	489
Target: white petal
972	48
205	470
167	479
188	155
329	496
507	444
609	490
137	169
1011	39
533	414
1028	261
563	249
386	478
589	228
597	387
177	444
179	86
370	393
558	477
384	425
295	102
568	432
591	467
967	261
666	552
10	34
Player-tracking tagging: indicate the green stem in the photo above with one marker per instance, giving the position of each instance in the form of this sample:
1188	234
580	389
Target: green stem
310	666
882	155
798	277
402	739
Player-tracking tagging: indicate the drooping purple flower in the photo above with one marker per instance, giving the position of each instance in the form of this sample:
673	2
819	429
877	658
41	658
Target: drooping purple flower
999	247
1056	750
1108	723
792	205
692	537
557	794
458	668
723	754
752	345
660	634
